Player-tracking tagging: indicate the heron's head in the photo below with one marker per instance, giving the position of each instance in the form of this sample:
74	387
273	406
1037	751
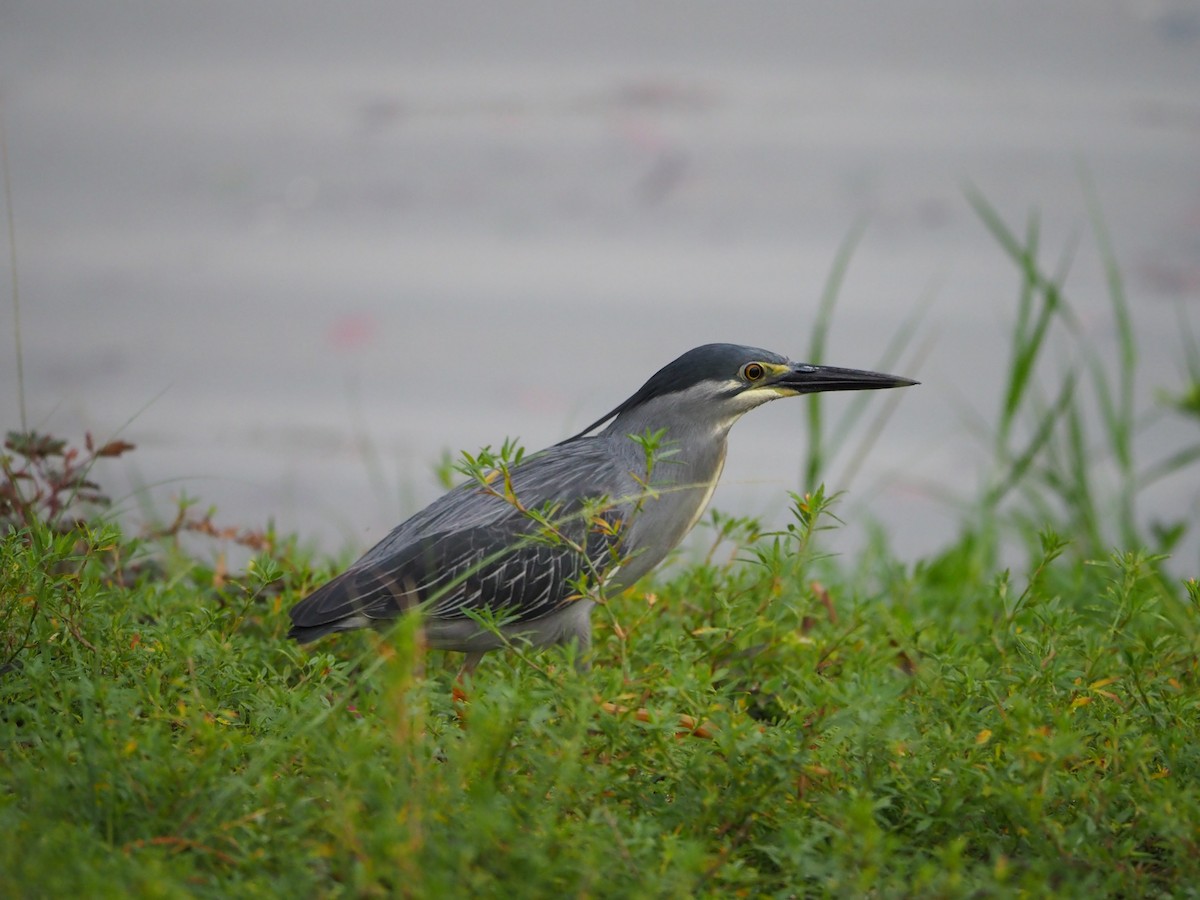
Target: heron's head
717	383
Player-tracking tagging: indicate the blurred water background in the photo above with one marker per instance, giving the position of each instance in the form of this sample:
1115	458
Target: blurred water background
298	251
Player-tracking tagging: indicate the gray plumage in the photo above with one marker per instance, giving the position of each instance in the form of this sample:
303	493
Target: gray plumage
476	549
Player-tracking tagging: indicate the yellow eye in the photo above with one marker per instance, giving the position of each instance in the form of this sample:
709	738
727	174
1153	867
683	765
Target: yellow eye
753	372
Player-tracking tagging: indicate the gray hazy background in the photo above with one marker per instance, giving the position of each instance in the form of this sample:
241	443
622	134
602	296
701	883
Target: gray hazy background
307	248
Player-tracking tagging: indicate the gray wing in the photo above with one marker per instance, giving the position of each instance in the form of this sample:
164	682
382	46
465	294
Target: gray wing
474	551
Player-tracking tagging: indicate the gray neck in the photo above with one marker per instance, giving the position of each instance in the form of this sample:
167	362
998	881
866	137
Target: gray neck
684	473
692	450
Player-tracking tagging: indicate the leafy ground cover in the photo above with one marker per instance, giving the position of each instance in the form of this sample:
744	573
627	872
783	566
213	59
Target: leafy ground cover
901	731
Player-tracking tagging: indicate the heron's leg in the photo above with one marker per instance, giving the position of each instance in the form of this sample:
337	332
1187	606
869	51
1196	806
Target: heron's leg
583	648
580	634
470	664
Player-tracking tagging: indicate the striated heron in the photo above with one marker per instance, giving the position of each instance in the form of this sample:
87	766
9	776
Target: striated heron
528	545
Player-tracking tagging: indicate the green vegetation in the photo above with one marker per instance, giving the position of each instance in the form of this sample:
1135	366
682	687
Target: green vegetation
761	721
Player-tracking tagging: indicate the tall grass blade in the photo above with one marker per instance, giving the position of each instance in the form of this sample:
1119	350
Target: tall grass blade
888	361
1041	437
886	409
1169	466
1119	416
815	457
1080	497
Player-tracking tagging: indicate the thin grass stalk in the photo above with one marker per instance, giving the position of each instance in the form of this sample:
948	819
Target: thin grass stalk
1081	499
892	353
1040	440
814	460
1119	414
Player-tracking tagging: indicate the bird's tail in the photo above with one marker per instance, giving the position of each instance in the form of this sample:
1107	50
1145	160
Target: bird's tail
306	634
358	598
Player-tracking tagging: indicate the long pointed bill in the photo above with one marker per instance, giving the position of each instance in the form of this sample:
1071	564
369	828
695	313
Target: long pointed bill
804	379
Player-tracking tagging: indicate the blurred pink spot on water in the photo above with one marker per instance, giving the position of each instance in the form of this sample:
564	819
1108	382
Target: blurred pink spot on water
542	399
352	331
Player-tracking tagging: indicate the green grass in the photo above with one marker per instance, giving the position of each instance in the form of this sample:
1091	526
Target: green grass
899	731
763	721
